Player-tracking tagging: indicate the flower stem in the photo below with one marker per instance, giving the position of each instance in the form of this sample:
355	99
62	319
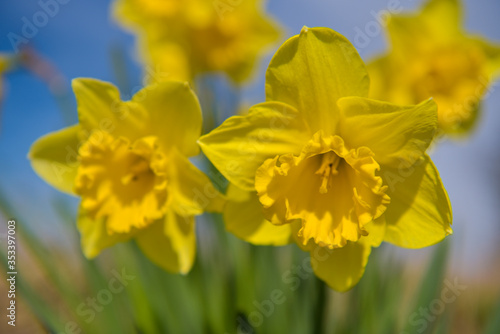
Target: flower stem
319	321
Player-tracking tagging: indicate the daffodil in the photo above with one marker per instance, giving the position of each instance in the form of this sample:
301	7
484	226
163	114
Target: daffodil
188	37
432	56
322	164
128	161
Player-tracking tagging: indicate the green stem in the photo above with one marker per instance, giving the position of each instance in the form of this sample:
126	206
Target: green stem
319	319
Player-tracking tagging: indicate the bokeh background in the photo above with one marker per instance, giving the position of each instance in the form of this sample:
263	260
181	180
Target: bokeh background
82	40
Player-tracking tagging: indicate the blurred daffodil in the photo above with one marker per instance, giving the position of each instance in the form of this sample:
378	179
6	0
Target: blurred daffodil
188	37
128	163
5	64
431	56
330	168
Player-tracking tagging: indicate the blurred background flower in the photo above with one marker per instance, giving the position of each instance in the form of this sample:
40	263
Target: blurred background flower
431	55
186	38
4	66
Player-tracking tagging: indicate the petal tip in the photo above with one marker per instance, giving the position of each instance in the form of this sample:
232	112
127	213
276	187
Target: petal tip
184	271
200	141
304	30
89	252
81	81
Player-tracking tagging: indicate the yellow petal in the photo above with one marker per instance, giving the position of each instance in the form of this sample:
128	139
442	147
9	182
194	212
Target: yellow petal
491	52
98	103
242	143
100	110
458	113
94	235
376	232
134	11
381	72
420	212
3	62
169	59
190	189
168	110
442	18
312	71
244	218
439	21
261	33
175	115
341	268
170	244
394	133
54	157
211	35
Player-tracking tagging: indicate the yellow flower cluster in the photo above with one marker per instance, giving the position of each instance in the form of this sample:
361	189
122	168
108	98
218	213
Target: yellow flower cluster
320	163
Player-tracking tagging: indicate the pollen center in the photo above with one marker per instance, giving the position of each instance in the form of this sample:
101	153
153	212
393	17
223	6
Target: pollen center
122	182
328	169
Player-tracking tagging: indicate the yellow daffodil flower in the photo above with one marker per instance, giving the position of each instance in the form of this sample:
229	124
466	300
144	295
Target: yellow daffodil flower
322	164
431	56
188	37
128	161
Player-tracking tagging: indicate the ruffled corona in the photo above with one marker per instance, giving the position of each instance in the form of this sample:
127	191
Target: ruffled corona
333	190
123	182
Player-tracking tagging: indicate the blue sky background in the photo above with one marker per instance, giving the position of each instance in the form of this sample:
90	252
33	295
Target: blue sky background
78	40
